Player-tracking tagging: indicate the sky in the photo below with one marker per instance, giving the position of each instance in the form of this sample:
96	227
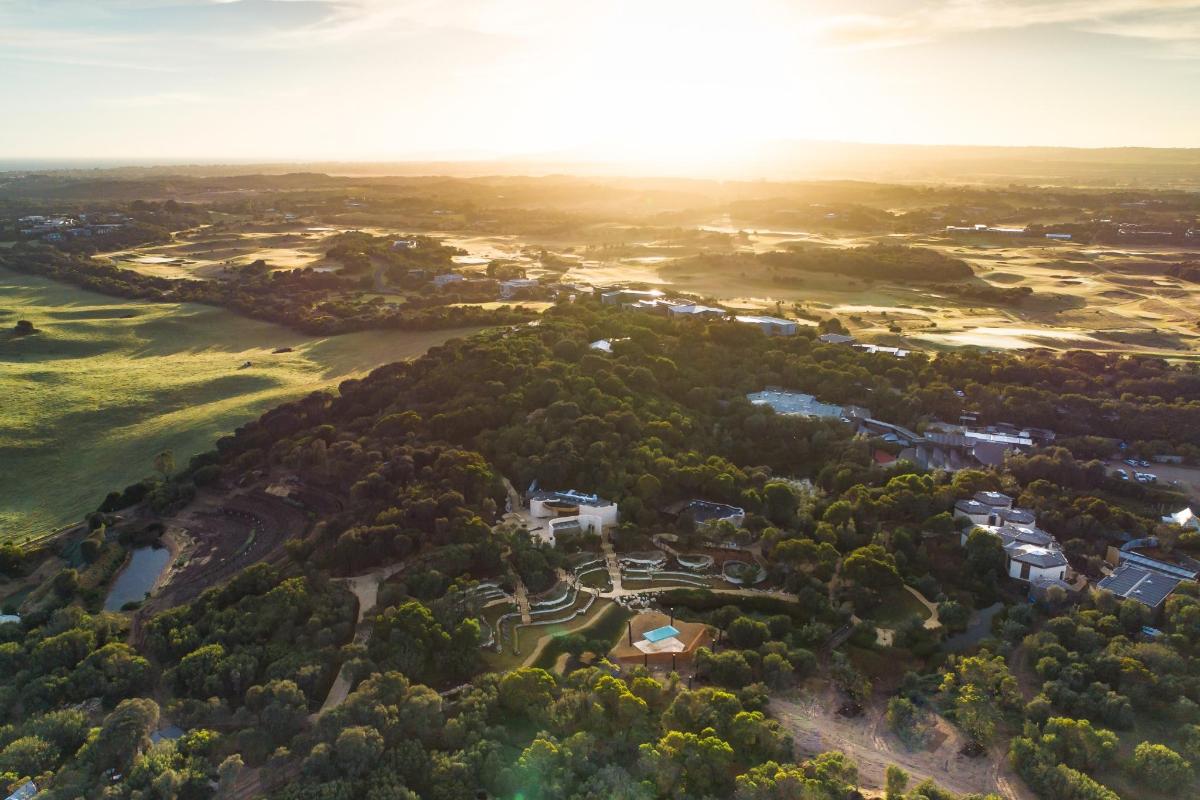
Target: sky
278	80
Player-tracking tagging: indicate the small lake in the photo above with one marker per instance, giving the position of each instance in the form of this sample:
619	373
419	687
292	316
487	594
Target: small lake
138	577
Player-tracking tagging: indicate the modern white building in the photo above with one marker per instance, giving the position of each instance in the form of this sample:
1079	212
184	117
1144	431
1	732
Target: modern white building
577	523
570	503
771	326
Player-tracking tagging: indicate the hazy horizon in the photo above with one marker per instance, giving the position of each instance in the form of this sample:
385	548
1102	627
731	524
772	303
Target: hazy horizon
675	83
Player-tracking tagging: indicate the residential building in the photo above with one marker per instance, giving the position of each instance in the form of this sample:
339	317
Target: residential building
511	287
995	500
836	338
404	244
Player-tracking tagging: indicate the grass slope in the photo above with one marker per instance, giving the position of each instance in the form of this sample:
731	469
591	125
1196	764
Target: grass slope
108	383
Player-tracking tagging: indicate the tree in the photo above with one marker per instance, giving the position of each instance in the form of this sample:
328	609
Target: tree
895	782
164	464
527	691
1160	767
871	566
124	733
228	771
28	757
357	749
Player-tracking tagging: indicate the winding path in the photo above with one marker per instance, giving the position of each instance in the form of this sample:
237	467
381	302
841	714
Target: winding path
366	588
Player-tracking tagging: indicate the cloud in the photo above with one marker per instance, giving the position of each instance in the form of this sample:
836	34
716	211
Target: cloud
931	20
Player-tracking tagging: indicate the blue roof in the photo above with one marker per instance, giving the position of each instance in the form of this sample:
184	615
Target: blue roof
658	634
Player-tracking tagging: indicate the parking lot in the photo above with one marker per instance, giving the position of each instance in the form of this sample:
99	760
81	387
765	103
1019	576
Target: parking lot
1188	477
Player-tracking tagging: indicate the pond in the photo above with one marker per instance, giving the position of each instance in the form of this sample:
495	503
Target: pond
138	577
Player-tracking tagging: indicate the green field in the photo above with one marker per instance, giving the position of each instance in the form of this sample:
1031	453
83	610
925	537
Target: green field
107	383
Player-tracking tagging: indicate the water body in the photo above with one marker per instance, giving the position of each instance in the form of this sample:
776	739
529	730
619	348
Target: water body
138	577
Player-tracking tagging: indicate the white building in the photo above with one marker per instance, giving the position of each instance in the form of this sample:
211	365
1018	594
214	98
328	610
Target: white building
1184	519
771	326
511	287
577	523
695	310
570	503
615	297
1029	562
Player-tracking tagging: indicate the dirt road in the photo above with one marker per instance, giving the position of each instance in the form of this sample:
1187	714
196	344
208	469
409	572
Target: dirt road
816	728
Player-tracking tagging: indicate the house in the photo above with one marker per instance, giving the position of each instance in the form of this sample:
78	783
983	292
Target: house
404	244
1062	237
695	311
883	458
1030	562
995	500
1184	518
511	287
1146	586
836	338
975	511
447	278
570	503
771	326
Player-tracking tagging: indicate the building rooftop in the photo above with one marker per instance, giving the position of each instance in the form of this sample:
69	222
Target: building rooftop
1138	583
695	308
972	507
994	499
795	403
757	319
1017	516
571	496
1036	556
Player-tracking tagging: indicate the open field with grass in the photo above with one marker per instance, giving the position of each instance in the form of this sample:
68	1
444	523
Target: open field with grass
106	384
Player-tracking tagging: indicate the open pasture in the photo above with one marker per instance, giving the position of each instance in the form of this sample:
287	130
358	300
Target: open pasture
106	384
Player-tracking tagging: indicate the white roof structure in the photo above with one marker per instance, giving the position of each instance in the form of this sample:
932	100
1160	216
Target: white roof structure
671	644
1184	518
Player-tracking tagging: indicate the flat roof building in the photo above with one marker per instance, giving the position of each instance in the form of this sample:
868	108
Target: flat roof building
1134	582
771	326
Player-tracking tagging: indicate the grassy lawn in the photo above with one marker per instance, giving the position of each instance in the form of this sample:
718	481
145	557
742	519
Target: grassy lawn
606	626
596	579
108	383
897	606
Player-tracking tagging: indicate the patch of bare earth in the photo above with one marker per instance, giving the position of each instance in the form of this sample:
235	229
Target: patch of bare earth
816	727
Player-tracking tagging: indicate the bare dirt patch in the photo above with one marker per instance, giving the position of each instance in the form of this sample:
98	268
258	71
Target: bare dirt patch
816	727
